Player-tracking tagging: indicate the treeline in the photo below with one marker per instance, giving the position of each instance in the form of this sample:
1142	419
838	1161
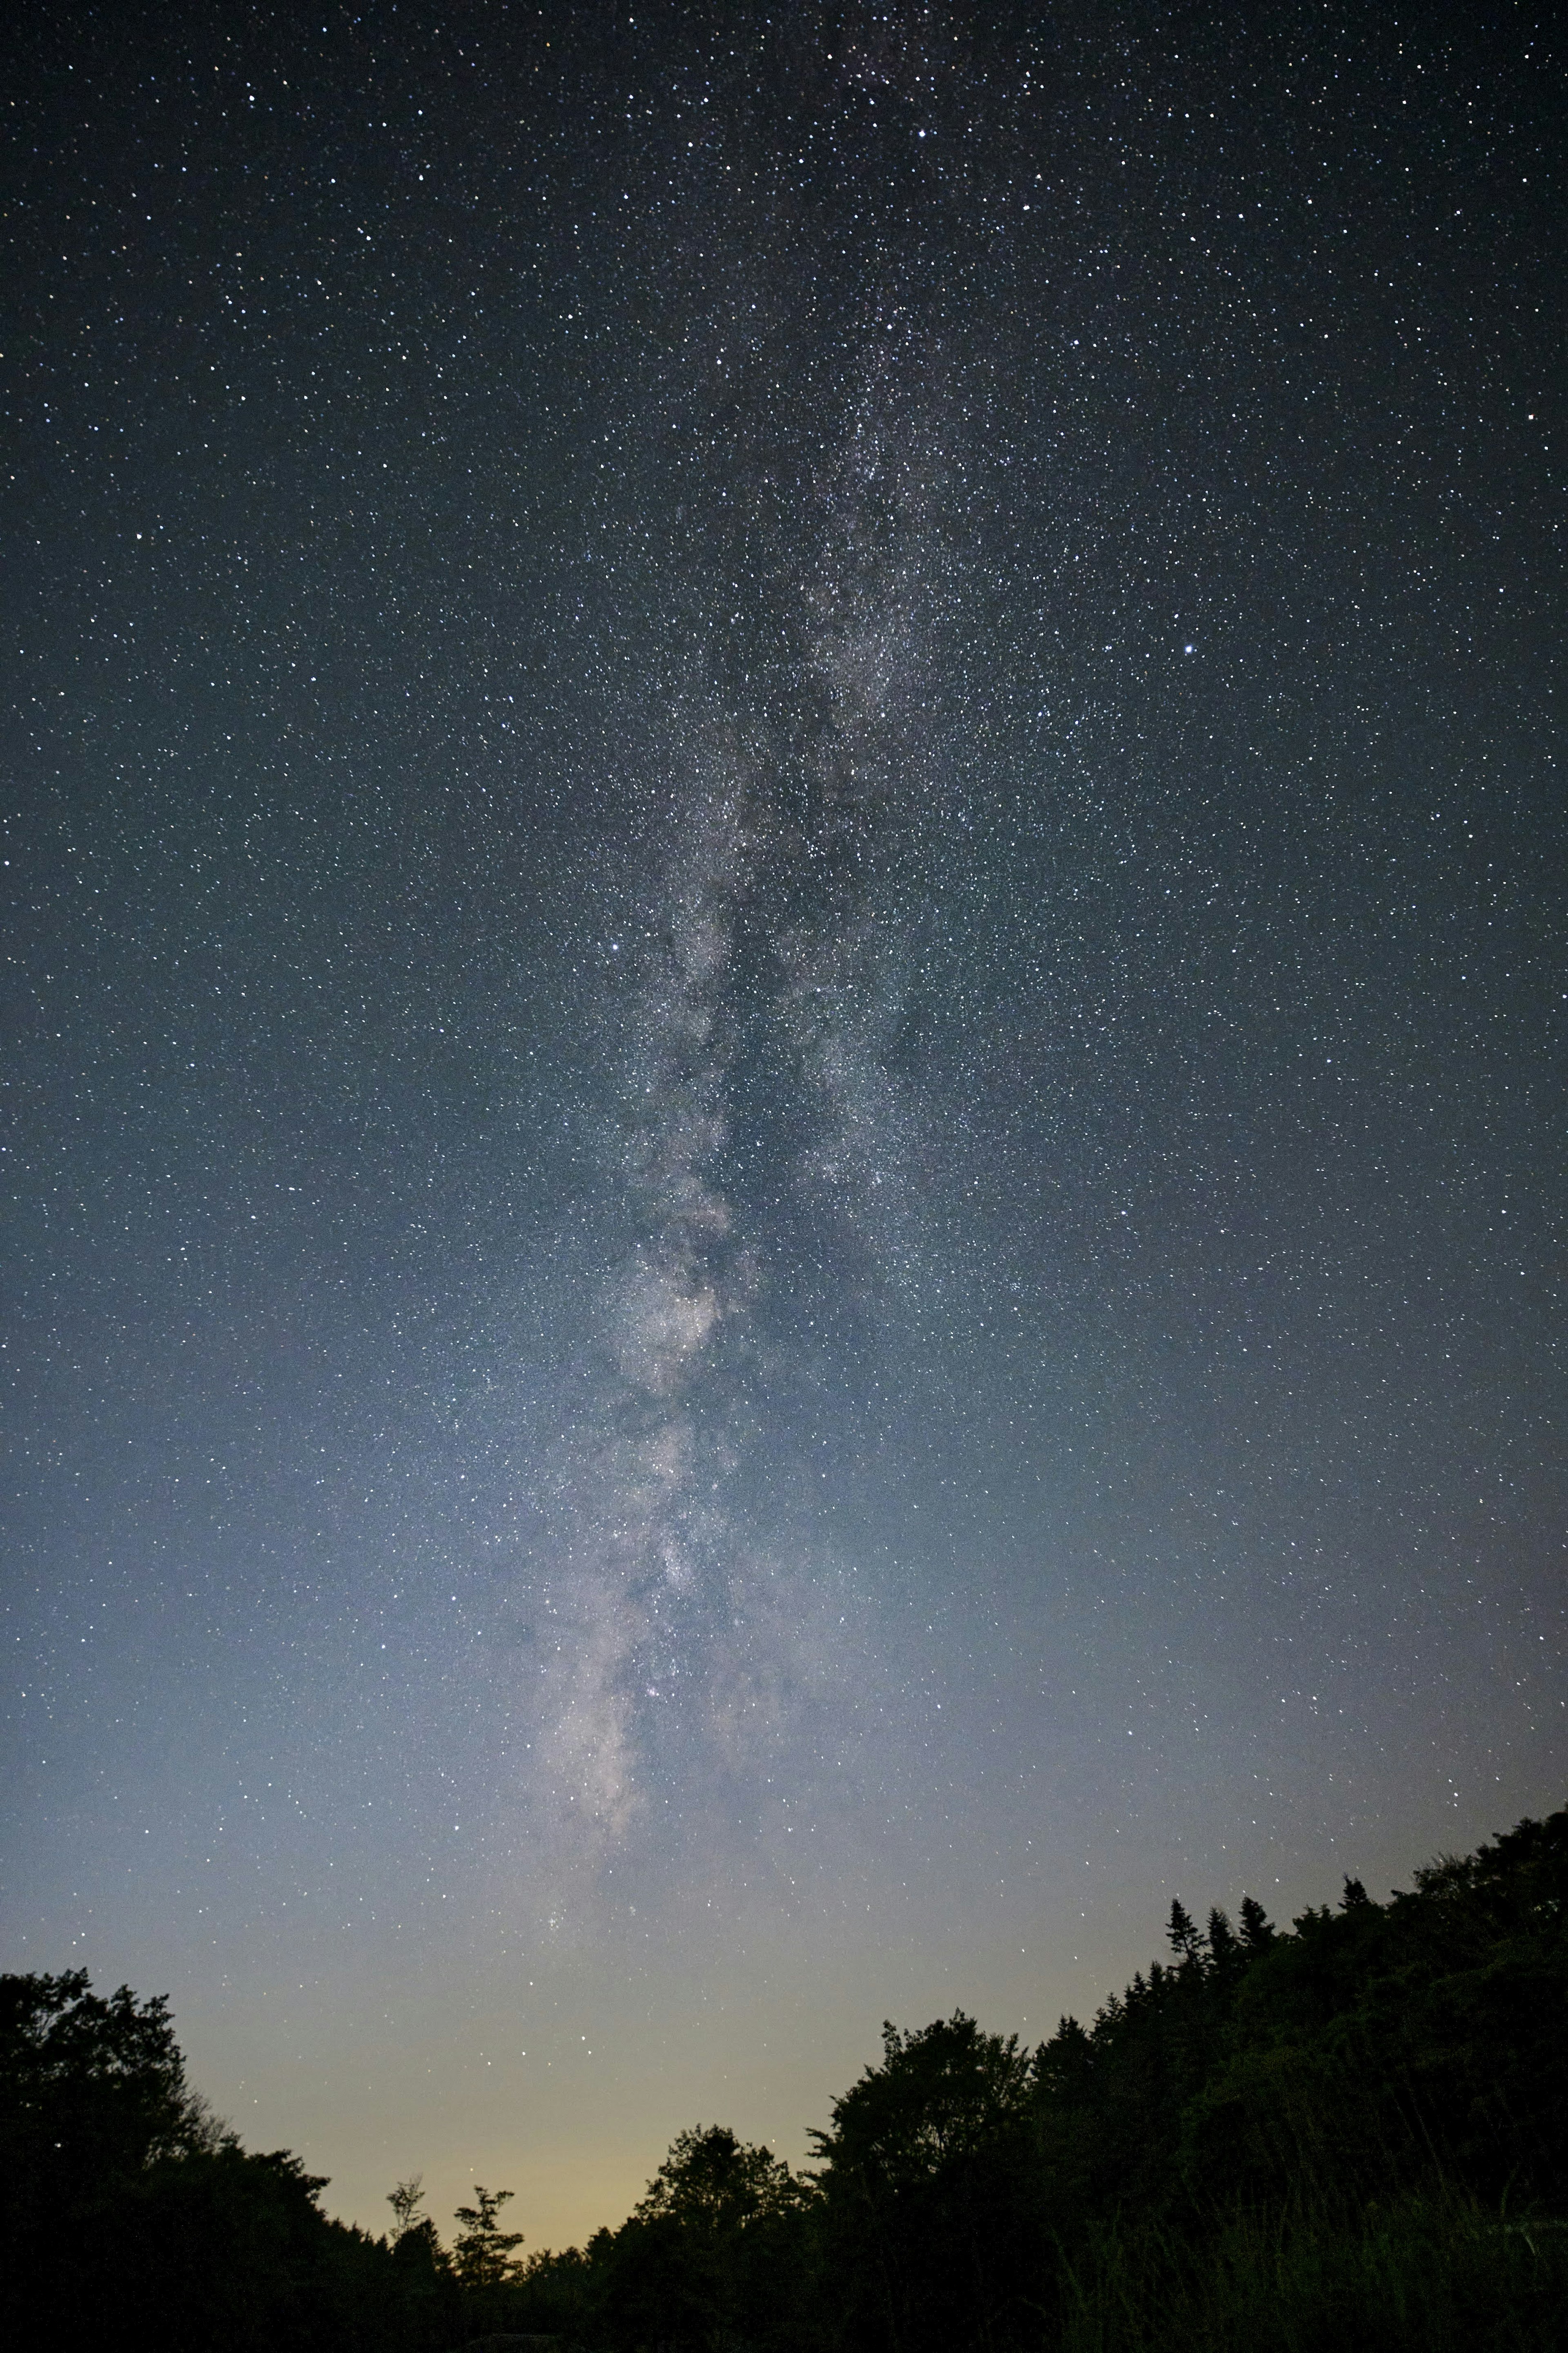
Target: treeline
1352	2134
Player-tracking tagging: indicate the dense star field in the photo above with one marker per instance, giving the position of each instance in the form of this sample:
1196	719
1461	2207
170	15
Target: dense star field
785	995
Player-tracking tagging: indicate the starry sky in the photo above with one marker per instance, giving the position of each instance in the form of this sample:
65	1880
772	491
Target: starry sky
785	995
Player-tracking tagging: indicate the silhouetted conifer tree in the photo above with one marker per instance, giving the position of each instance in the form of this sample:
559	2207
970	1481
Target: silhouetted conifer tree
1224	1949
1257	1928
1181	1933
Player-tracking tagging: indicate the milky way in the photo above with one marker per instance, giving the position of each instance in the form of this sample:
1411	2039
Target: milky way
793	813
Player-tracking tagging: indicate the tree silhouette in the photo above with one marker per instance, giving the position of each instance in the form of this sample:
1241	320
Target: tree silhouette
1355	2130
714	2182
482	2252
1257	1929
707	2253
405	2201
924	2174
1182	1934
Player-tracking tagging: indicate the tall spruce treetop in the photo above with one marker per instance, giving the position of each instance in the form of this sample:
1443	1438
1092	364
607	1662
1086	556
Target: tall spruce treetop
1257	1928
1182	1934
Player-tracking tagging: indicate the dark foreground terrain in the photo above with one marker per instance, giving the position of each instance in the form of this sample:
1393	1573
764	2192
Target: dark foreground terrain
1353	2133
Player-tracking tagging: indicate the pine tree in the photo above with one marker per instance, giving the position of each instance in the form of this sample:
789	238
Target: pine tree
1182	1934
1257	1928
1224	1947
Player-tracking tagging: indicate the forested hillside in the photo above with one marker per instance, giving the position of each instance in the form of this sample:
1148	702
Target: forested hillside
1354	2132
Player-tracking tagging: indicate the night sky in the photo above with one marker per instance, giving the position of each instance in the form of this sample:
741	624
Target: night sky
785	1008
